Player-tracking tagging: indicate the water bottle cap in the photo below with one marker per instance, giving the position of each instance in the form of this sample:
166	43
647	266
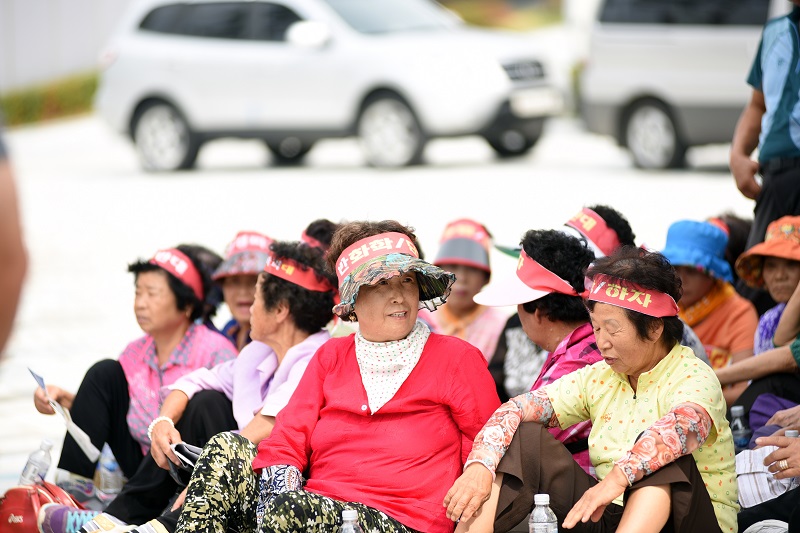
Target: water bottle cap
792	433
541	499
737	410
46	444
349	514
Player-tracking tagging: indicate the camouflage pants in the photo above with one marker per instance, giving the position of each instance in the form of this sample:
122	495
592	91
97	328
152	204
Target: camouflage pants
301	511
223	492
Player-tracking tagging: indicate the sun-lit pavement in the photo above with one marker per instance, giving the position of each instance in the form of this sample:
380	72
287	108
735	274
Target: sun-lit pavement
88	211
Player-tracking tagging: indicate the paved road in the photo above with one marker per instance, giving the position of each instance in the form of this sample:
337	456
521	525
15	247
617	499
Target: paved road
88	211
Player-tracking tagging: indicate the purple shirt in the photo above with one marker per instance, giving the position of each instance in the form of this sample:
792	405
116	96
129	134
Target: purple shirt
765	331
255	381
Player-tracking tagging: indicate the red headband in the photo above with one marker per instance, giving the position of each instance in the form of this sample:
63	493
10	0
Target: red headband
622	293
177	264
371	247
593	227
248	241
467	229
537	277
312	242
292	272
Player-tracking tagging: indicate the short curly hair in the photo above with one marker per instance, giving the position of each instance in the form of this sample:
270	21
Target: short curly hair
566	256
310	310
185	297
322	230
650	270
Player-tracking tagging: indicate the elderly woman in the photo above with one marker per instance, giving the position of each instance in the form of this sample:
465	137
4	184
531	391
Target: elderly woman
660	443
245	257
382	419
464	251
292	303
117	399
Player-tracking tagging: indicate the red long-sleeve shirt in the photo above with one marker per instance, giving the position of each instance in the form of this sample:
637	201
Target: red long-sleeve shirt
400	460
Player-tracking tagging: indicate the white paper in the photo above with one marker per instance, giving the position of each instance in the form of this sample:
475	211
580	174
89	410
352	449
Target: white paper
77	433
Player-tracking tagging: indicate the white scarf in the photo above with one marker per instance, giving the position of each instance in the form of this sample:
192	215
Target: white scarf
384	366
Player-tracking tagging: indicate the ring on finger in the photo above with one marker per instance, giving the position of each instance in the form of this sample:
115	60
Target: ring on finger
783	464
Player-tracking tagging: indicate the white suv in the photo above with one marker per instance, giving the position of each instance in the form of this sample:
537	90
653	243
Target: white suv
395	73
664	75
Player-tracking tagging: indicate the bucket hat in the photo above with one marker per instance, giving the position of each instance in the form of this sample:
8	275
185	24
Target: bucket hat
700	245
782	240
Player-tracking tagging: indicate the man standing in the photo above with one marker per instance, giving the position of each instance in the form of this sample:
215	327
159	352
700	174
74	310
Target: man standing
13	259
771	122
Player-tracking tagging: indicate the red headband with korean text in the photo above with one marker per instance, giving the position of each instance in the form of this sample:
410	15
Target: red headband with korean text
248	241
176	263
369	248
622	293
593	227
292	272
537	277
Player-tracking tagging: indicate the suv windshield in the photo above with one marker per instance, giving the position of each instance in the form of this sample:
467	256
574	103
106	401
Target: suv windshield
386	16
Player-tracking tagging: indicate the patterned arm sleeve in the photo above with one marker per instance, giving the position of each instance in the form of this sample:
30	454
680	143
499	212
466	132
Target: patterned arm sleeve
493	440
680	432
278	479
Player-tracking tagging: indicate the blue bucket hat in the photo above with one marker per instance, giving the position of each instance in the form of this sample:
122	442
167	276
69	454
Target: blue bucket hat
700	245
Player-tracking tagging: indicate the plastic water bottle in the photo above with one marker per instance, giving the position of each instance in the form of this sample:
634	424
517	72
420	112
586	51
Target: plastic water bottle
37	466
109	476
350	522
543	519
740	429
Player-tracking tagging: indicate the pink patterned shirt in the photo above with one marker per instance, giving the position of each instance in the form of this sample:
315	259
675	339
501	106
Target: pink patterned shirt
199	348
576	350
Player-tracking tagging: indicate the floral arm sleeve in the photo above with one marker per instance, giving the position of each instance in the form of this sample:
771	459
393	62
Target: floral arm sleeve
493	440
282	478
680	432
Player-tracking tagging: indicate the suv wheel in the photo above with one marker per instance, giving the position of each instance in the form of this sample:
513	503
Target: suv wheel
511	143
289	151
163	138
390	133
651	135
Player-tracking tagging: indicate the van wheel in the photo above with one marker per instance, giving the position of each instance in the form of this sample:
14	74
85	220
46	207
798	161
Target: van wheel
289	151
511	143
650	133
163	139
390	133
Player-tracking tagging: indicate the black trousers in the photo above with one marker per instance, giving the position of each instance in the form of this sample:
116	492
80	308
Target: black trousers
785	507
100	407
151	489
780	196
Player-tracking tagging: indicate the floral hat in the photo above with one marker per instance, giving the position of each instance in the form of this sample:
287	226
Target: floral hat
383	256
247	253
782	240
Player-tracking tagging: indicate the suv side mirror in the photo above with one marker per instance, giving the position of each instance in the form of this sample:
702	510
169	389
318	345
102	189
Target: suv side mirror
309	34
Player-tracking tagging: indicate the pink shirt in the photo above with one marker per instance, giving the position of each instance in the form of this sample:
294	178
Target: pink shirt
401	460
200	347
483	333
576	350
254	381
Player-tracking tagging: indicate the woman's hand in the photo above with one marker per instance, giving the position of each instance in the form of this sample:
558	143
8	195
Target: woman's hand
788	450
469	492
57	394
785	417
595	500
164	434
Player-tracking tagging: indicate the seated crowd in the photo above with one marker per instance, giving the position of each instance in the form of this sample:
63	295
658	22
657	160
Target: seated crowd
354	374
